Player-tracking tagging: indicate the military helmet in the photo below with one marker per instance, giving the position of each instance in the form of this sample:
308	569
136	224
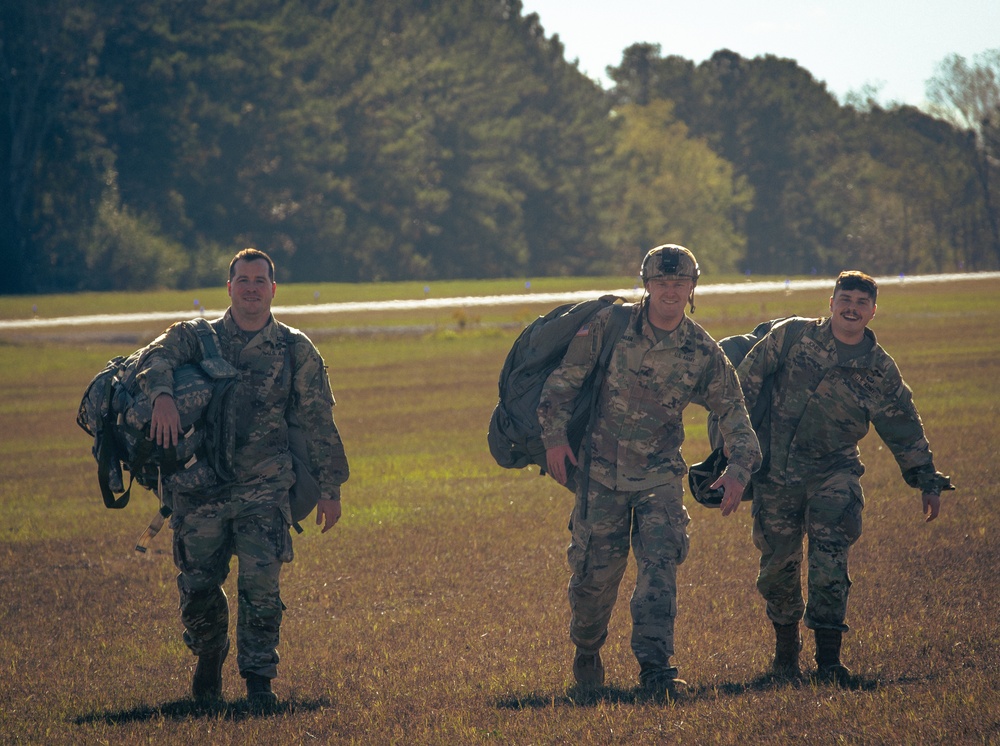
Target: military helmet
701	476
669	260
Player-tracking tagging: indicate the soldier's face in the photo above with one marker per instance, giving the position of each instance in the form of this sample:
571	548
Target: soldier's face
850	312
251	291
667	298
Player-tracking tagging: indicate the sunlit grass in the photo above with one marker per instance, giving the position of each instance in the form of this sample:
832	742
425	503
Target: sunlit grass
436	611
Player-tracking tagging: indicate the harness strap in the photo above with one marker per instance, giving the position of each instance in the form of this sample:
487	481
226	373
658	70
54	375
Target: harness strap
612	334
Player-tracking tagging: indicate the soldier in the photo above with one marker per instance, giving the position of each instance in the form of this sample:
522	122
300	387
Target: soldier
663	362
281	376
835	380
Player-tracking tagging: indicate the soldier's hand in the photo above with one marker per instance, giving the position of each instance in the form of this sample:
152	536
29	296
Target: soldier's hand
733	493
327	514
165	423
932	505
555	460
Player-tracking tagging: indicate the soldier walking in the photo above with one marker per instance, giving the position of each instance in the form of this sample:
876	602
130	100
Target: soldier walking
835	381
282	377
663	362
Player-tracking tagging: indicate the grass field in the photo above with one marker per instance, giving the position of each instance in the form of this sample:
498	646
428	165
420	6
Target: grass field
436	611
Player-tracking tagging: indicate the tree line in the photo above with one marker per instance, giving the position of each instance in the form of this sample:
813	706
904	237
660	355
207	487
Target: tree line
367	140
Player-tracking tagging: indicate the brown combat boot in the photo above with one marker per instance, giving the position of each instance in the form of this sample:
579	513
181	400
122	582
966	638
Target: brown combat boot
206	686
588	669
829	668
787	644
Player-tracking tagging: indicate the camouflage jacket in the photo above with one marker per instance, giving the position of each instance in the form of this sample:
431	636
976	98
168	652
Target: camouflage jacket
821	409
640	430
268	393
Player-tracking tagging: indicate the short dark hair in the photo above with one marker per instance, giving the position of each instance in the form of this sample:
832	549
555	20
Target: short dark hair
852	279
251	255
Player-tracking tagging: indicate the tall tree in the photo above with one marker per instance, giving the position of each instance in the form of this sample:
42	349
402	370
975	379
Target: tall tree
54	155
969	96
673	188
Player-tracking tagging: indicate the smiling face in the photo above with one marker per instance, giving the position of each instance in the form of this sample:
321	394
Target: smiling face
251	290
667	298
850	312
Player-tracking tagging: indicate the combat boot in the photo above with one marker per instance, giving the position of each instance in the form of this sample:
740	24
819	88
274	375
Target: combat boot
588	669
658	683
787	644
829	668
259	694
206	686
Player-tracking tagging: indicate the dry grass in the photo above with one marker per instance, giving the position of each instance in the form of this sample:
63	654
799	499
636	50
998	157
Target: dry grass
436	611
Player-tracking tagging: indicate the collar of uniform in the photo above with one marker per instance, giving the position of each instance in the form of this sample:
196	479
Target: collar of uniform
825	335
269	332
677	338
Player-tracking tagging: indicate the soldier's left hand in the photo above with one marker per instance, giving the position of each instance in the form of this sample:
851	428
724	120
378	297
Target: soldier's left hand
327	514
932	505
733	493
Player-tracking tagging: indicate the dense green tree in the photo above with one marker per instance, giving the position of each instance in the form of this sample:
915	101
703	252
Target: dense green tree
54	156
391	139
673	189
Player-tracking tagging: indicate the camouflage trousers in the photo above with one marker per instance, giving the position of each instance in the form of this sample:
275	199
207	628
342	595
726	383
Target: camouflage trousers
826	510
654	521
249	523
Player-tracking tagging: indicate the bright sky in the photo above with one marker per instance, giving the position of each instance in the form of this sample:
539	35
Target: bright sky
894	45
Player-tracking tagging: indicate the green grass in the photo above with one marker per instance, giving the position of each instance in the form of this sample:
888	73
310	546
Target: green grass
436	611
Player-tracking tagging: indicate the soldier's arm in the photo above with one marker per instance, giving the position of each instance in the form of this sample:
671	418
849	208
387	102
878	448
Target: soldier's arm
899	425
312	407
176	346
724	398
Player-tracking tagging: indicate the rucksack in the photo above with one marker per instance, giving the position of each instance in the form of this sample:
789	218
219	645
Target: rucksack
736	347
116	413
515	436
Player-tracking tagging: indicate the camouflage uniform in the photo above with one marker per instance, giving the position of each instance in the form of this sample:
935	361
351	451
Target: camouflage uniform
636	471
820	409
281	374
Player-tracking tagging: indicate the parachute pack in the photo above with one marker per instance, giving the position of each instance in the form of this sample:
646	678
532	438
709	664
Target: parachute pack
736	347
515	436
116	413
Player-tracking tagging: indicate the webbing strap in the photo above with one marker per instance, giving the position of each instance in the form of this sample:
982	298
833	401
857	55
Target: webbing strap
105	457
612	333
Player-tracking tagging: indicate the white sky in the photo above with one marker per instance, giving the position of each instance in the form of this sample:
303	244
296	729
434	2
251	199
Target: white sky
894	45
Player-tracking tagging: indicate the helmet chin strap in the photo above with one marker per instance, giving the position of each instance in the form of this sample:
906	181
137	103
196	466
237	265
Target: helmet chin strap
691	300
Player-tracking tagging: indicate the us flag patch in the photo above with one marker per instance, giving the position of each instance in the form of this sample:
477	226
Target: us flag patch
583	331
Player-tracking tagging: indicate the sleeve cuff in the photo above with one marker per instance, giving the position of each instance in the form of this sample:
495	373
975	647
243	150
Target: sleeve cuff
551	441
738	473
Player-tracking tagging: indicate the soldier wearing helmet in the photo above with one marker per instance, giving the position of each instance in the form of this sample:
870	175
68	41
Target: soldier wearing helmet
669	274
663	362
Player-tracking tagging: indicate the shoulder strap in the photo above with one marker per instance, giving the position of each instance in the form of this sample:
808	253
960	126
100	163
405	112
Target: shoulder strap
212	361
796	328
613	332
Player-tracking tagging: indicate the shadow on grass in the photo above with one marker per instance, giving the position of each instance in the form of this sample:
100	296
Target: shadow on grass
591	697
186	709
